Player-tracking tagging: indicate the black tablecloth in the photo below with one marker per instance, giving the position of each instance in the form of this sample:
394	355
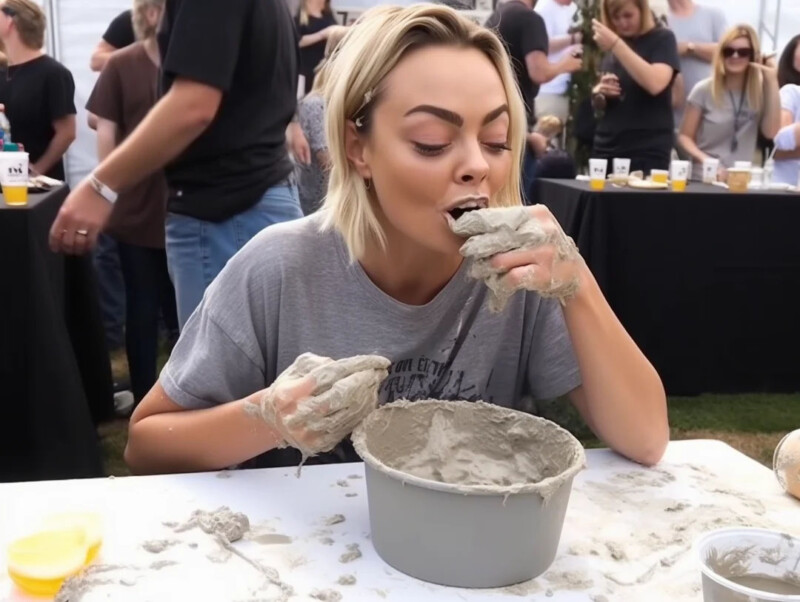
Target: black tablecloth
55	377
706	281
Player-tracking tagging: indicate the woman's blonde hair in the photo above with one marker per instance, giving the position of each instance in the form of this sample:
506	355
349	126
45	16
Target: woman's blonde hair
29	20
335	36
754	81
609	8
141	26
372	48
302	15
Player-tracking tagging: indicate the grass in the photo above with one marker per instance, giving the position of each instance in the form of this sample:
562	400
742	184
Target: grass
751	423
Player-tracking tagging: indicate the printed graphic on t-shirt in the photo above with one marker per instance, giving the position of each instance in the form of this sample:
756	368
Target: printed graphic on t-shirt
425	378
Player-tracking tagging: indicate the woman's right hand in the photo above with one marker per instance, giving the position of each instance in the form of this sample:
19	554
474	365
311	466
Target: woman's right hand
609	86
317	402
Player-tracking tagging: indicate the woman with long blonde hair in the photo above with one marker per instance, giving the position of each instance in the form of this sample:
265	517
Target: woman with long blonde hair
726	112
315	22
634	93
379	270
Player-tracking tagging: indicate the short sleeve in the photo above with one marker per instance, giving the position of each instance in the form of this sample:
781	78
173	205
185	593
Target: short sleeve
553	368
205	38
61	93
120	31
665	50
105	100
311	113
220	356
699	94
790	98
534	33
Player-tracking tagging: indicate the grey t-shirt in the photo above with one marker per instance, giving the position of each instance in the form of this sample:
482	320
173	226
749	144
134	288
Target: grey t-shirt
292	290
706	25
718	123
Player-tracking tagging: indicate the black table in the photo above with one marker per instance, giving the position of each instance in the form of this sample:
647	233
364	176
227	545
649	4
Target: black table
707	282
55	377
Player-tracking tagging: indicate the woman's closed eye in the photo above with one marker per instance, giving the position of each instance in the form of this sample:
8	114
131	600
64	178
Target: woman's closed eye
432	150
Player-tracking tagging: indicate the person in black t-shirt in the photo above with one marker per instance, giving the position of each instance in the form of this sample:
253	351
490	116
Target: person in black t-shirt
220	132
36	91
314	22
635	88
119	34
524	33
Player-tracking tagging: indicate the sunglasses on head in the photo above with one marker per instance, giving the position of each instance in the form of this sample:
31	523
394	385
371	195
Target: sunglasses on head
745	53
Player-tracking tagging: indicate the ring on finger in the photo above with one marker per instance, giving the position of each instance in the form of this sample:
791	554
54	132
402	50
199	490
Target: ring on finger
82	232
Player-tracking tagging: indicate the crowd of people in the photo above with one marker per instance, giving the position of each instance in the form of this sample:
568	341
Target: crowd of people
202	146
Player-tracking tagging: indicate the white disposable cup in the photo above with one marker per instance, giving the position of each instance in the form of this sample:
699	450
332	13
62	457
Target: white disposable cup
757	178
14	168
622	167
597	173
710	170
679	171
743	164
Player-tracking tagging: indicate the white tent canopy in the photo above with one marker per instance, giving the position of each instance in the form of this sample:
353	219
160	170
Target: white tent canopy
76	27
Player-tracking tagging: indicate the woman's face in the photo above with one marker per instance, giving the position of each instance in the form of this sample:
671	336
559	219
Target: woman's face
738	54
439	140
796	61
627	21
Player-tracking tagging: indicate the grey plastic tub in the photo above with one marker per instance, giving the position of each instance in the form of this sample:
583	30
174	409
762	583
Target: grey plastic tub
464	536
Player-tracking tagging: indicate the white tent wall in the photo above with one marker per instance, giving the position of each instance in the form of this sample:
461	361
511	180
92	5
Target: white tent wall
76	27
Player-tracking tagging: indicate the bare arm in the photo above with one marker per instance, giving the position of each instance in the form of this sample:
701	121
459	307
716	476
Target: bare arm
559	43
702	50
163	437
172	125
106	138
771	120
653	77
541	71
314	38
64	136
687	137
99	57
622	398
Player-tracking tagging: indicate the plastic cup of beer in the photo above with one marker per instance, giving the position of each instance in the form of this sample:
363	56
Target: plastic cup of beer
14	177
621	169
738	179
710	170
659	175
597	173
680	175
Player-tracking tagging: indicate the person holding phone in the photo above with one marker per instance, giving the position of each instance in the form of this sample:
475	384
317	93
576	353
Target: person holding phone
725	112
633	95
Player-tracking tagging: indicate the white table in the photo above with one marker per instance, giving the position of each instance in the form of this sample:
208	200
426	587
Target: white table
627	534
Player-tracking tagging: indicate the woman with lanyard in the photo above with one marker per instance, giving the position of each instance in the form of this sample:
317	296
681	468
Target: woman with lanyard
725	112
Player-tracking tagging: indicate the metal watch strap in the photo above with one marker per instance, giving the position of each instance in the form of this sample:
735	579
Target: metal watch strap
103	190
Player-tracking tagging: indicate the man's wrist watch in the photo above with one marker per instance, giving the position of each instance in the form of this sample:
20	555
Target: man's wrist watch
690	48
103	190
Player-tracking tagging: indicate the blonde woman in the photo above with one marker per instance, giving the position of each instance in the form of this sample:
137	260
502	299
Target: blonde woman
315	22
378	270
725	112
312	178
634	94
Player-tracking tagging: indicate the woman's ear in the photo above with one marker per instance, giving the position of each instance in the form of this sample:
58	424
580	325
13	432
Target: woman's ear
355	148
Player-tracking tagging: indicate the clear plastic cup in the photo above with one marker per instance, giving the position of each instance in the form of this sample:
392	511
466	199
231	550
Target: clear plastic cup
710	170
14	177
621	169
753	565
679	171
659	175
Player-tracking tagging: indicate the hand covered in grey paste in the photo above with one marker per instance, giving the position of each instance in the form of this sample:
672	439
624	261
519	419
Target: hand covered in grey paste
317	402
514	248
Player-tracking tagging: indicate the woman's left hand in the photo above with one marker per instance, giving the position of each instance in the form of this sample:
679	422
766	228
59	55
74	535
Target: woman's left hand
552	269
770	73
604	37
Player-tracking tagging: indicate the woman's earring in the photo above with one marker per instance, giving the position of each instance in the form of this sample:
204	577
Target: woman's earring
368	183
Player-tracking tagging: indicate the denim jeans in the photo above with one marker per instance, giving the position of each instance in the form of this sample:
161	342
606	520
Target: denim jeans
197	250
148	292
111	290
